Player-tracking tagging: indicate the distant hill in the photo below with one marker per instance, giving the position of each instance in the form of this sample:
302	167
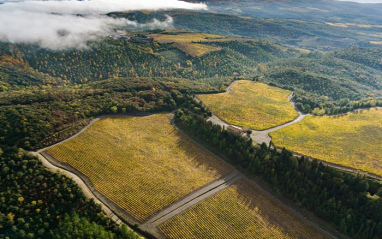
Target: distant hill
121	75
316	10
325	75
308	34
314	34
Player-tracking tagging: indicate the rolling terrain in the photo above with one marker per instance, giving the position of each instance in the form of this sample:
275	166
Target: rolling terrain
178	173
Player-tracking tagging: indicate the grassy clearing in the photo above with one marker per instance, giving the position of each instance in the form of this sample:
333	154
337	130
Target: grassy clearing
195	49
142	164
352	140
240	211
186	41
250	104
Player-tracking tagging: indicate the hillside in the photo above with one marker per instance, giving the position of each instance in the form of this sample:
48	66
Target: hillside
159	163
123	58
370	57
342	140
96	78
325	75
15	74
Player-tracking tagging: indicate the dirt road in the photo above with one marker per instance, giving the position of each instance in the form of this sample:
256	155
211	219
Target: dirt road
260	136
188	201
81	184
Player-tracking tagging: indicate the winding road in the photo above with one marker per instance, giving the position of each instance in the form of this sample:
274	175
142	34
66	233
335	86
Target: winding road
259	136
262	136
152	223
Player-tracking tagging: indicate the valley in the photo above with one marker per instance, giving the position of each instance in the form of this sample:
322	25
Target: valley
190	119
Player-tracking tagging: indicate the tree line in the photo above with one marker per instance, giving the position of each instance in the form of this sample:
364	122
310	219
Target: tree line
350	202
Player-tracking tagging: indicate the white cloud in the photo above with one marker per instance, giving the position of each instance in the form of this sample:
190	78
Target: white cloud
362	1
63	24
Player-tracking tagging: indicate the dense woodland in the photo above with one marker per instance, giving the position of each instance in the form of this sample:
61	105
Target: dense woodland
35	118
350	202
123	58
37	203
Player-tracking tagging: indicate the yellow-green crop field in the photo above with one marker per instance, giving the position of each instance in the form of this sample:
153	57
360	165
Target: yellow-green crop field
353	140
239	211
142	164
251	104
196	49
186	41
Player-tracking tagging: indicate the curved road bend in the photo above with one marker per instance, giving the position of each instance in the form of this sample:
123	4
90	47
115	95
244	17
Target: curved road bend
259	136
73	136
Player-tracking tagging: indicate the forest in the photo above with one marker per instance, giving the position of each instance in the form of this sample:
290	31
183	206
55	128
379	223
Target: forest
352	203
39	203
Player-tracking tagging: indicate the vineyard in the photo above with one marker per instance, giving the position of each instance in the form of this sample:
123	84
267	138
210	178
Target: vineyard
186	41
142	164
240	211
350	140
254	105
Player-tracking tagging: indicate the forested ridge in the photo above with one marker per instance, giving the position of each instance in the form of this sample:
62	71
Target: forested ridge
350	202
123	58
322	81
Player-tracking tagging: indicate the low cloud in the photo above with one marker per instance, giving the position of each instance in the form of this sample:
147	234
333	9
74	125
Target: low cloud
70	24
